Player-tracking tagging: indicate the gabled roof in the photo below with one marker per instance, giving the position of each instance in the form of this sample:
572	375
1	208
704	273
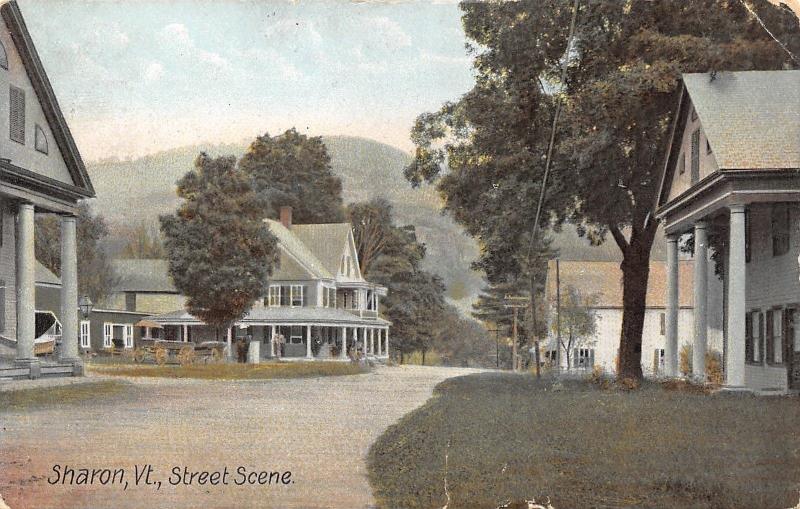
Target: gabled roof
751	120
45	276
47	98
136	275
326	241
297	261
603	281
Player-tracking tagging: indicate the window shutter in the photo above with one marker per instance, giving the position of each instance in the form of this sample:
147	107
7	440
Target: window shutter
591	358
749	351
761	336
655	361
2	306
17	114
770	340
575	359
695	156
304	289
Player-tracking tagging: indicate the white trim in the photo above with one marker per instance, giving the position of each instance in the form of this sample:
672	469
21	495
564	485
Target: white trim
108	334
277	297
85	334
292	295
127	336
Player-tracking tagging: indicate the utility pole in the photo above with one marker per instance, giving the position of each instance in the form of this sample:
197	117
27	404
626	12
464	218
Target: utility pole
515	303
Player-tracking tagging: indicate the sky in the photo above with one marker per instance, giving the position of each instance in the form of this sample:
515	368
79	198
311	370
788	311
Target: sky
136	77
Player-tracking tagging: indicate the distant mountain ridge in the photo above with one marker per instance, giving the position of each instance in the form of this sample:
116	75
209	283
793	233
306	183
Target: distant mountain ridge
133	191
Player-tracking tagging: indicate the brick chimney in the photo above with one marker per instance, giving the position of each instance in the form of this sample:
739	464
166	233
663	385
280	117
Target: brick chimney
286	216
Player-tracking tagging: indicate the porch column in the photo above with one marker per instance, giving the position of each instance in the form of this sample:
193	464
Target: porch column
26	289
228	341
272	340
386	332
700	301
308	343
372	340
737	298
671	346
69	291
185	333
343	352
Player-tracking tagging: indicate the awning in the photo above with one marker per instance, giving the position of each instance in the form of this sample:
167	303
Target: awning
148	323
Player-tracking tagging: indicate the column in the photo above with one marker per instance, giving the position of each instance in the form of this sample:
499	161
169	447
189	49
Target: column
308	342
26	289
671	346
737	299
372	340
380	340
700	301
69	291
343	352
272	340
229	340
386	352
185	333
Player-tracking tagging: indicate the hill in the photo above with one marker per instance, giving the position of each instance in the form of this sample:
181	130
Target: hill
139	190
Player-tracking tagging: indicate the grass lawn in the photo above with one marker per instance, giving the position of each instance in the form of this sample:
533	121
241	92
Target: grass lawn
71	394
513	438
225	371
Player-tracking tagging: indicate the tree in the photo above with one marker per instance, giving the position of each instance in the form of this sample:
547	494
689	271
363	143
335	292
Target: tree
619	94
95	275
462	341
577	321
375	235
293	169
144	242
220	251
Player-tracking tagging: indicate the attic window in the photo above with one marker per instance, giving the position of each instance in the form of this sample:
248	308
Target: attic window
41	140
695	156
17	114
3	57
708	147
694	114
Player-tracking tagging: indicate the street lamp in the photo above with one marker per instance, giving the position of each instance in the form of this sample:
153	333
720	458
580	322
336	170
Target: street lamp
85	305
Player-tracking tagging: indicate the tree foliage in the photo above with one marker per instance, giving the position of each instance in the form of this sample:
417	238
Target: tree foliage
220	251
95	275
295	170
488	150
144	242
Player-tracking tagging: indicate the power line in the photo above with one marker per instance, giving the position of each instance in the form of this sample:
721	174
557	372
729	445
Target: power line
755	15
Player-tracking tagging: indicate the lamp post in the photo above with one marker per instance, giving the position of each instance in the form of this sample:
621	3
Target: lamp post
85	305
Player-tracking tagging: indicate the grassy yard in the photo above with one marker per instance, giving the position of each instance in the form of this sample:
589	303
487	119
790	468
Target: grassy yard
513	438
25	399
225	371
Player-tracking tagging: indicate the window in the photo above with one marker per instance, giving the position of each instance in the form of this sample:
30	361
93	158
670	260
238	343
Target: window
296	334
774	336
3	57
40	140
355	300
584	358
663	323
682	163
130	301
86	334
695	156
342	265
332	297
297	295
658	360
284	295
17	114
780	229
127	336
108	335
274	296
347	263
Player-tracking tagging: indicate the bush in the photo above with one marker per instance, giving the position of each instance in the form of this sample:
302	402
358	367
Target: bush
686	360
432	358
714	373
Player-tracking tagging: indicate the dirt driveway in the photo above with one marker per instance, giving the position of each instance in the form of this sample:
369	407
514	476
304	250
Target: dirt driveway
318	429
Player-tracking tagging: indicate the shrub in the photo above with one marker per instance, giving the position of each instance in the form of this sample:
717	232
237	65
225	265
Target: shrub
714	367
686	360
628	384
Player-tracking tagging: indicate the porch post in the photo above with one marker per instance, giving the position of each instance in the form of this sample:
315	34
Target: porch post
26	289
343	352
372	340
308	342
386	331
737	300
228	341
380	339
272	340
185	333
700	300
671	346
69	292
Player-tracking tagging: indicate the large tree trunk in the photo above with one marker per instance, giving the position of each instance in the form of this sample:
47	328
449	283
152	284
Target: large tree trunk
635	274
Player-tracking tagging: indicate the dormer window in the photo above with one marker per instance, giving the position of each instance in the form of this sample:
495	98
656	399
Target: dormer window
40	140
3	57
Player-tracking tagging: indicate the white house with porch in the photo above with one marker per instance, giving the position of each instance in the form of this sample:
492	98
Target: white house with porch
318	303
41	171
733	173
